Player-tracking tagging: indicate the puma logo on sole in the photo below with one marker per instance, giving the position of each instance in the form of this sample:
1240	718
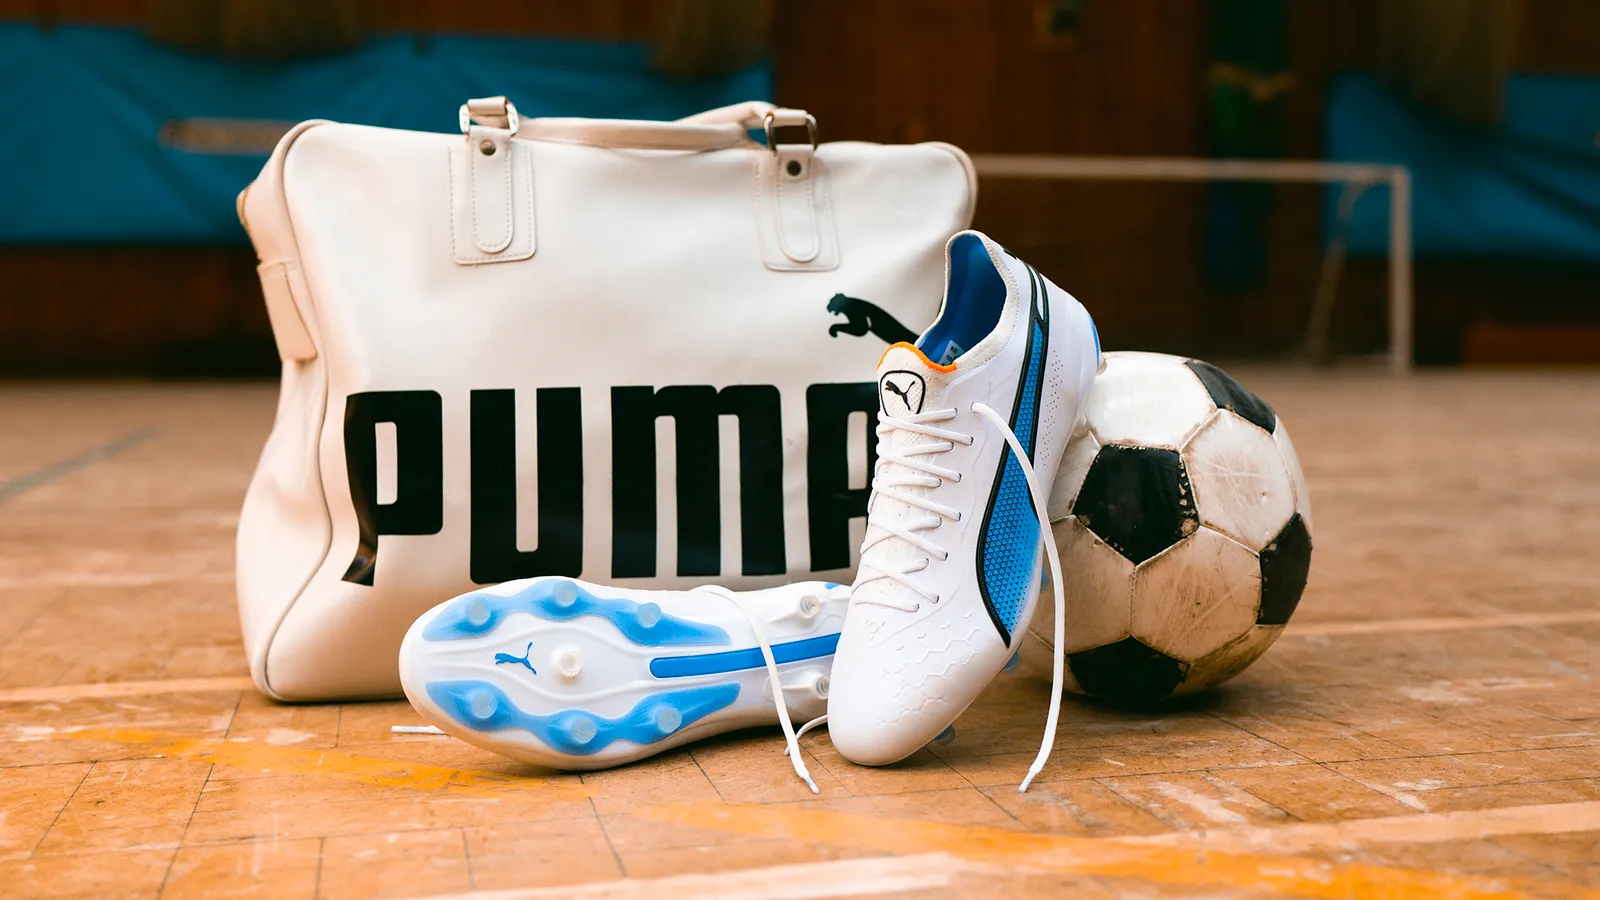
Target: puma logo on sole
523	659
864	317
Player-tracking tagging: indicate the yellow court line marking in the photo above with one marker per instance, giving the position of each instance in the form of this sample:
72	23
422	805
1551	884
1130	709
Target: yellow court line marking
1440	623
338	765
124	689
1424	828
1108	857
801	881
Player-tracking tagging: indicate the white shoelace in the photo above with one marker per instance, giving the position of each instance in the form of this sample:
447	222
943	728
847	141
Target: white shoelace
898	469
907	467
790	736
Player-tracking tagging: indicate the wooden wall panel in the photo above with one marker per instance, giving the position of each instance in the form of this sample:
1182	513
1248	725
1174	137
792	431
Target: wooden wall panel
1558	37
981	75
617	19
132	311
984	77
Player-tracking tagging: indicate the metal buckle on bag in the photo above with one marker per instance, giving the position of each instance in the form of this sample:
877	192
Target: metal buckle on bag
513	122
771	126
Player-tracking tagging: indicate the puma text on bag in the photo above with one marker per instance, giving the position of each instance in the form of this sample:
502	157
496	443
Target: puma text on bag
637	352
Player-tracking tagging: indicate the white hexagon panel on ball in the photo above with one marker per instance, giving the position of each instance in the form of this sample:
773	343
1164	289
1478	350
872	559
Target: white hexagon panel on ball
1196	597
1241	486
1146	400
1096	588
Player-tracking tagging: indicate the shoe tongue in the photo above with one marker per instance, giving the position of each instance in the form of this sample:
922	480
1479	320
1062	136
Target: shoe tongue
908	383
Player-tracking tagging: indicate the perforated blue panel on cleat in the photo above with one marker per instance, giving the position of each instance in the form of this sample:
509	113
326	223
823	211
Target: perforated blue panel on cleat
738	660
1010	541
560	600
481	706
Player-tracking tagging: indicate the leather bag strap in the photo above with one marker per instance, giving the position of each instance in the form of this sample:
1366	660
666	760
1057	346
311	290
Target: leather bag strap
714	129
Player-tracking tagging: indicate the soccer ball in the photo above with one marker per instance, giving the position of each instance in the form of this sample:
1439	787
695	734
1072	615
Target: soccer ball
1184	527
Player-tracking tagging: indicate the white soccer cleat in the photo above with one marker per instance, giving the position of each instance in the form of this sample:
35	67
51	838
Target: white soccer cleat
573	675
950	567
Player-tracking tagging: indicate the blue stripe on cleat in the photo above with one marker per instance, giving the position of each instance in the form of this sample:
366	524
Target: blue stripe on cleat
737	660
481	706
560	600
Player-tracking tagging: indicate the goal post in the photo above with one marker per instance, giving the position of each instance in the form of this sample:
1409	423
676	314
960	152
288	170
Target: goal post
1354	176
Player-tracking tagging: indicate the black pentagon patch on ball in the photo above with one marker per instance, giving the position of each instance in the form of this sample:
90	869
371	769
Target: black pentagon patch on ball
1126	672
1138	500
1230	394
1285	563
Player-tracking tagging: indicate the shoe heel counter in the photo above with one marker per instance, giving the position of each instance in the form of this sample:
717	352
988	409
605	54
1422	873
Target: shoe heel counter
1073	330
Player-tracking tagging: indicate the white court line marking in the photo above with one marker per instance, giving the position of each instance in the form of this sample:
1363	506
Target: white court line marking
836	878
124	689
1426	828
1440	623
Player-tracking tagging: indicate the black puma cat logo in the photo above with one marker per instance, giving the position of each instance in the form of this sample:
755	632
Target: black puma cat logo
905	384
864	317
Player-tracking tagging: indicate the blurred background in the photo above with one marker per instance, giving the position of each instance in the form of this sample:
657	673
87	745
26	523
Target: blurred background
130	126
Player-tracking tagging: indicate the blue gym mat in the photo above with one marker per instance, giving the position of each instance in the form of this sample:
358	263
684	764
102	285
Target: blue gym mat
114	139
1529	189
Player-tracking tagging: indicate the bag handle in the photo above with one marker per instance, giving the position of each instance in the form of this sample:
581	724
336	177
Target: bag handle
714	129
794	220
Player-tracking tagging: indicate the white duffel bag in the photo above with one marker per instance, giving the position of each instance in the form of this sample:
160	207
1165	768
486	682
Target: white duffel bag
637	352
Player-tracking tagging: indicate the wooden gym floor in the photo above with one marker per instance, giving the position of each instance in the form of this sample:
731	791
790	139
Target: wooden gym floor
1429	726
